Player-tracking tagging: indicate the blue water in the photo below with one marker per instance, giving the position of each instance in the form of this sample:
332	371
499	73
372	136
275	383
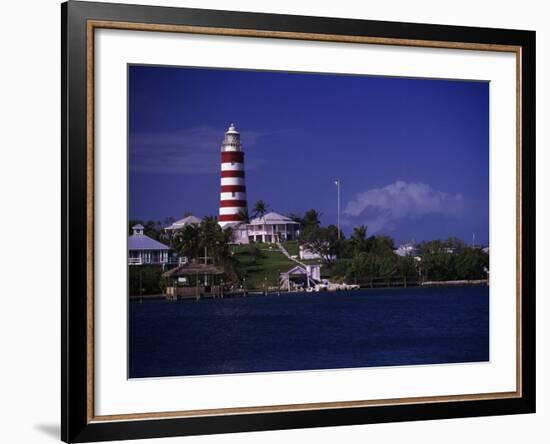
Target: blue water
309	331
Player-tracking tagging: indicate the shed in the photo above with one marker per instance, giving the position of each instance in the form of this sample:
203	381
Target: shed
194	280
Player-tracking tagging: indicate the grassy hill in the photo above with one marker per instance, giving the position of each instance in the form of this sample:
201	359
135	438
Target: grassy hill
292	247
261	264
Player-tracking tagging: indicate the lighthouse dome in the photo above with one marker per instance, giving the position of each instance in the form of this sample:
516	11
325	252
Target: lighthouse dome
232	139
232	129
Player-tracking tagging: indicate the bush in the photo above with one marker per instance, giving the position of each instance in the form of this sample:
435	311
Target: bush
152	281
471	264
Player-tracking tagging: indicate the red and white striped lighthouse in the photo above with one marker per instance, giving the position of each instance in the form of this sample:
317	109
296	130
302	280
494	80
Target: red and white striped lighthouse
233	188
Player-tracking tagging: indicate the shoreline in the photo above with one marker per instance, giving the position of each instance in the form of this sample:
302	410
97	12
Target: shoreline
254	293
457	283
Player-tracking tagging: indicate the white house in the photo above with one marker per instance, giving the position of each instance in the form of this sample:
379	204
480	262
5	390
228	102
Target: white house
239	232
144	250
271	228
307	253
408	249
179	224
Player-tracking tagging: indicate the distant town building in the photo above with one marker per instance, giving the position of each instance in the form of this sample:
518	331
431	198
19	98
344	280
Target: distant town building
179	224
144	250
307	253
233	188
408	249
272	227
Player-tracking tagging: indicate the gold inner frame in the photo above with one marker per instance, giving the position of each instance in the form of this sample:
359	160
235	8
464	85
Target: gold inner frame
96	24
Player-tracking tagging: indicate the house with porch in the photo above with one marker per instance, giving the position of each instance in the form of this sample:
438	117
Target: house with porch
143	250
272	227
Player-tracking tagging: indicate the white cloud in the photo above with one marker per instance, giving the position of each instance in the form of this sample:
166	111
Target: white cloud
189	151
383	208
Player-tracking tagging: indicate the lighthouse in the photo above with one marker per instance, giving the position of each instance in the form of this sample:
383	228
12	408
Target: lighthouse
233	188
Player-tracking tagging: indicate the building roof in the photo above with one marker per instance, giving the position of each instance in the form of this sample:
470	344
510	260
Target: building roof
272	218
297	270
235	225
143	242
193	268
189	220
232	129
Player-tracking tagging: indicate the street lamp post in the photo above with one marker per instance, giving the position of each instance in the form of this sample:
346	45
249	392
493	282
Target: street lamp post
337	183
140	288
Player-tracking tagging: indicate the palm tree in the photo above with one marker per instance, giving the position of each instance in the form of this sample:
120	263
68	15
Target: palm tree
165	236
358	239
312	218
260	209
244	216
360	232
186	241
296	218
214	240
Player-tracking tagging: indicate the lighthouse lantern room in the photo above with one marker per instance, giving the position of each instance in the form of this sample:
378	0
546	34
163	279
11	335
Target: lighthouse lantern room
233	188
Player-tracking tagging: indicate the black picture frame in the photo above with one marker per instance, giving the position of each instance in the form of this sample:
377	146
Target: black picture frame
76	424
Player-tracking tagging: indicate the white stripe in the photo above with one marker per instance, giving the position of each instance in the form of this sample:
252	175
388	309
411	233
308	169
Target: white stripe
232	181
233	196
230	210
235	166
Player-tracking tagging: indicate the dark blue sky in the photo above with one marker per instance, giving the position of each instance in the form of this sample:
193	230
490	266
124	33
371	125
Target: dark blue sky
412	154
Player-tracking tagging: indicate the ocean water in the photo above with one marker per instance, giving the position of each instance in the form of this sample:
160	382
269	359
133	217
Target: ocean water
363	328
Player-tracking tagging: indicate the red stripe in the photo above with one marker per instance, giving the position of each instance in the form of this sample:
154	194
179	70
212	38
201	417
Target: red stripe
232	173
229	218
233	156
232	203
233	188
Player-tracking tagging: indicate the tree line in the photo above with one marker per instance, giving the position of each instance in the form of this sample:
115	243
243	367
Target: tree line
359	258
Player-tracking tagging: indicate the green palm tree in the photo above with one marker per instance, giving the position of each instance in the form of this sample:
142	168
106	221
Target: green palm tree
312	218
358	239
244	216
360	232
260	209
186	241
